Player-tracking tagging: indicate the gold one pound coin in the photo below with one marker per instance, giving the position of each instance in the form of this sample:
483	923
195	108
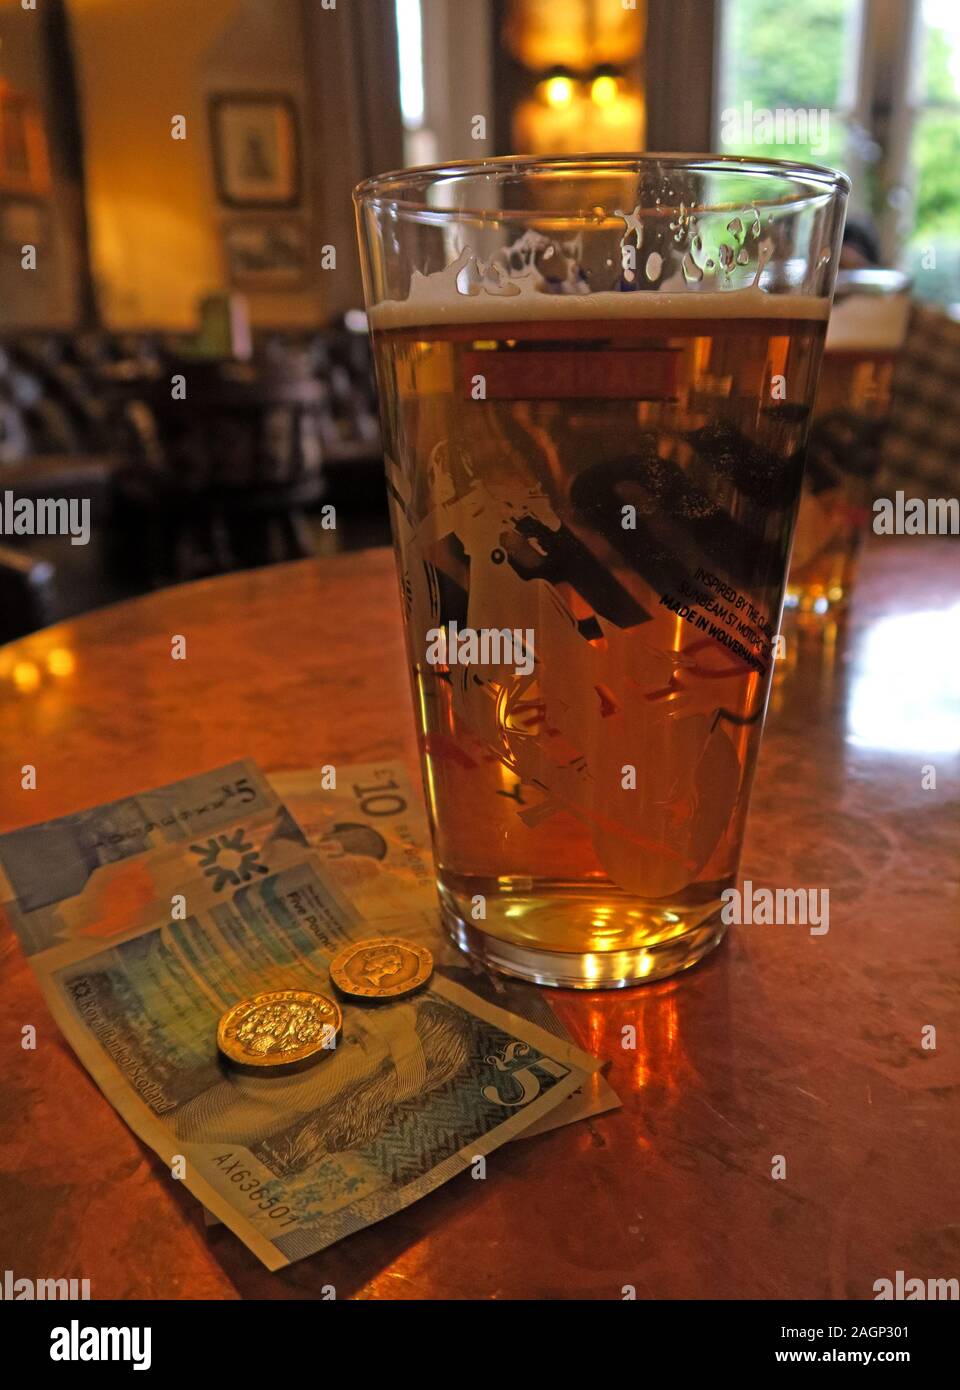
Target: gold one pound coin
385	967
278	1028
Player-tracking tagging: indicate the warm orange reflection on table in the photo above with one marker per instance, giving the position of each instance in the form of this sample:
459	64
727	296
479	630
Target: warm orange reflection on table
780	1043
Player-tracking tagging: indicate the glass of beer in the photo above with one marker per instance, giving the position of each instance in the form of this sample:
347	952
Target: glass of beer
866	330
595	379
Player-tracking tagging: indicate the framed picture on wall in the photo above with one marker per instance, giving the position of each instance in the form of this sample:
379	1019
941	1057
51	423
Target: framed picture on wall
256	150
266	255
23	223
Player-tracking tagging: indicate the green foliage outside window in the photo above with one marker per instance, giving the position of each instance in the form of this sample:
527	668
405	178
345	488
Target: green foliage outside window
797	58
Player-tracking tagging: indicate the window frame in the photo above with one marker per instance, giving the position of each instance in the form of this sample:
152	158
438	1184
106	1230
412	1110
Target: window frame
882	111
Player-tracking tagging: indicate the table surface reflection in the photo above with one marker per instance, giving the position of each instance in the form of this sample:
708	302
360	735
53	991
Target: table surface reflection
782	1043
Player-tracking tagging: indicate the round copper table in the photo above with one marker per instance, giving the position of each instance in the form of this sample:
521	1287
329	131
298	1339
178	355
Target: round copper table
783	1043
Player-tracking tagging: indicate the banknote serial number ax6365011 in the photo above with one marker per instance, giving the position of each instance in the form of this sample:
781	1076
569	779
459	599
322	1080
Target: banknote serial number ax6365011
254	1189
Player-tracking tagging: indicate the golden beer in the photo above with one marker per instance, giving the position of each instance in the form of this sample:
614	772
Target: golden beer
622	488
843	452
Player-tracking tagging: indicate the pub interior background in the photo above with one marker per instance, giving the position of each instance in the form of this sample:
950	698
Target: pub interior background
181	174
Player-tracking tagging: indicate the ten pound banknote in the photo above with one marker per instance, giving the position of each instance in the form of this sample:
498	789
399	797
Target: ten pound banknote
412	1093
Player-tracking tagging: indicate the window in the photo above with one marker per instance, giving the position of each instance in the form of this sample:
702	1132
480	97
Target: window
788	82
933	232
871	87
418	140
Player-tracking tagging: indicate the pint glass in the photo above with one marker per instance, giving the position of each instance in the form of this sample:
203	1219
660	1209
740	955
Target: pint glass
843	450
595	380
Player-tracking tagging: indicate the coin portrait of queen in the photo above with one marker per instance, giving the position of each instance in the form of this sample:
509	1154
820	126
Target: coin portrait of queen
345	1100
376	964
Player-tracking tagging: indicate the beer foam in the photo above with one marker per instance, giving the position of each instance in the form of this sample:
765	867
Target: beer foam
437	299
868	323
